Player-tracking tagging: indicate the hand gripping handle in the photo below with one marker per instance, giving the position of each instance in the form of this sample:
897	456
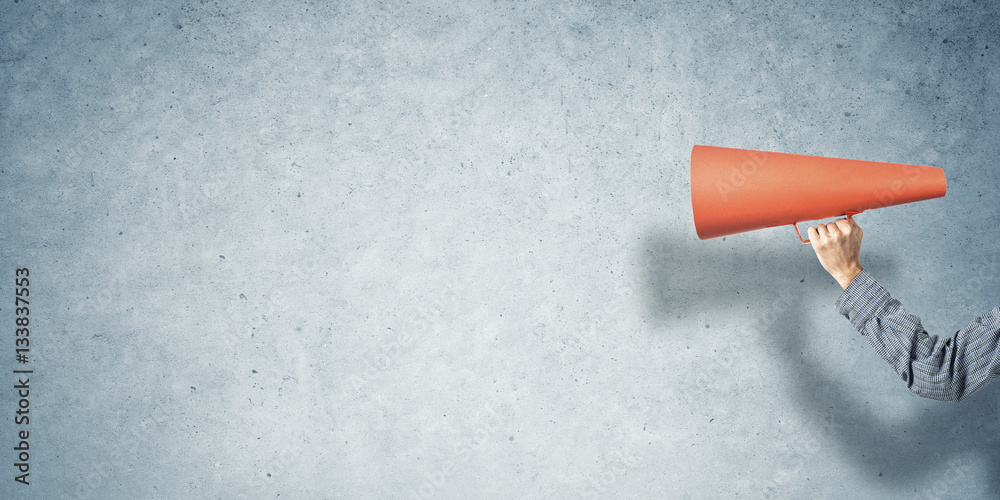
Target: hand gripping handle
848	214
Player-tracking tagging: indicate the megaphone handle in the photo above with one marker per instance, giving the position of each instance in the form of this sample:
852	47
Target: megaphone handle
849	214
796	226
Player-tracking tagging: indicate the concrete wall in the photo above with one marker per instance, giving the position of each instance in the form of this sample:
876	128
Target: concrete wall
446	249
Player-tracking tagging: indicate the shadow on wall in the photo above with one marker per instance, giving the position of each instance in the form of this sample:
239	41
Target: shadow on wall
687	277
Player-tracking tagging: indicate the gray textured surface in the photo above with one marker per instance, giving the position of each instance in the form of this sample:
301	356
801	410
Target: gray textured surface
405	250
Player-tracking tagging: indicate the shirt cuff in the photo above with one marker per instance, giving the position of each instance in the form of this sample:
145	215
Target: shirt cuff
862	299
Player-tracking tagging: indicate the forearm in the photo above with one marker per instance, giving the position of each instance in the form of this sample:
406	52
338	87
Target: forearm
948	369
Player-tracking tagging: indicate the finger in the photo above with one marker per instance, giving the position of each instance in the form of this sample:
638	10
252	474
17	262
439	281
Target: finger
814	238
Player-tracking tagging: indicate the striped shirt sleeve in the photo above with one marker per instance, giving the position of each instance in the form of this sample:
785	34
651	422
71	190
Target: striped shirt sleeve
950	369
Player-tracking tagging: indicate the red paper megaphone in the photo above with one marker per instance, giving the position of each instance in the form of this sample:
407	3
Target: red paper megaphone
738	190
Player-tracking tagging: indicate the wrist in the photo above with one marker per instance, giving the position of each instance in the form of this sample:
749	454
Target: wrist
848	276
